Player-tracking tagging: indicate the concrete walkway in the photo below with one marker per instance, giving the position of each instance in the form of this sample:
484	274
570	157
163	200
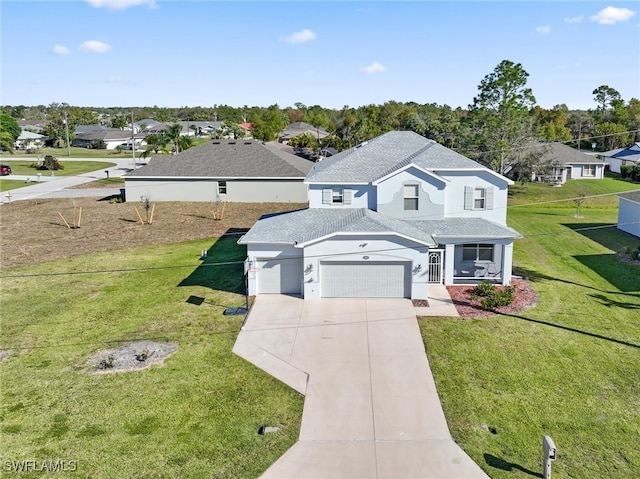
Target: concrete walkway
61	187
371	406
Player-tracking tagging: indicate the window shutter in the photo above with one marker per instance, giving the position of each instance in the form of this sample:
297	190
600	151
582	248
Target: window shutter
489	198
347	195
468	198
326	196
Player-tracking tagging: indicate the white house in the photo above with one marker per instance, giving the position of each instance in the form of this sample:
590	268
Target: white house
622	156
386	219
629	212
566	163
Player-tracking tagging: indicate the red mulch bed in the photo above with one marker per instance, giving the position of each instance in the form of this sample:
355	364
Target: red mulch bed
470	308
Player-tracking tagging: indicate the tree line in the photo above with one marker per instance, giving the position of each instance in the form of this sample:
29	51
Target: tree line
495	129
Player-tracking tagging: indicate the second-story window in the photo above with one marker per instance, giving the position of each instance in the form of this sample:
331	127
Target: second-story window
479	198
410	193
337	196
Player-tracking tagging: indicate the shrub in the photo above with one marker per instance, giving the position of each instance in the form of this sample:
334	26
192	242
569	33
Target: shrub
492	296
49	163
483	290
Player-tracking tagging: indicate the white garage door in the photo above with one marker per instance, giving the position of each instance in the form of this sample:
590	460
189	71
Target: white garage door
280	276
365	280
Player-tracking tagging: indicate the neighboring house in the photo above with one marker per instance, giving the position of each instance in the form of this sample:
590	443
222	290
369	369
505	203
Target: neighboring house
622	156
108	139
188	128
300	128
29	140
32	125
629	212
566	163
223	170
386	219
82	129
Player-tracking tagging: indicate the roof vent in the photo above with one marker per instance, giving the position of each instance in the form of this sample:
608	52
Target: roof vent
216	142
232	142
247	142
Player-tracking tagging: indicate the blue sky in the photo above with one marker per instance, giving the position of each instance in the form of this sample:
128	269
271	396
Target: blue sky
204	53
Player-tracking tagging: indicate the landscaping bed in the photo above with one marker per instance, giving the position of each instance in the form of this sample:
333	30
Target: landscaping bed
469	307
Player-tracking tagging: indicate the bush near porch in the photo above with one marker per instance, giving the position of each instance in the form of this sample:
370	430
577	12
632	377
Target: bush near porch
570	366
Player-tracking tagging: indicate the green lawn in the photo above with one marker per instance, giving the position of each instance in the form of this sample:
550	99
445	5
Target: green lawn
70	168
197	415
569	367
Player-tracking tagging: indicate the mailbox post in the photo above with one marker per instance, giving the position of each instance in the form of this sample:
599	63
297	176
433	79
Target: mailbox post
549	454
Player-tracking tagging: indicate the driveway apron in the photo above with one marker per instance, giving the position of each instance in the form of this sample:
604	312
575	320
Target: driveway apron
371	406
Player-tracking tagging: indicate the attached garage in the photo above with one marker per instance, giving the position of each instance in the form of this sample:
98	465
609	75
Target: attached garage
357	279
280	276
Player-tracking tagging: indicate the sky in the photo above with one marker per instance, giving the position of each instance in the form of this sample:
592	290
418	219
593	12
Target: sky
124	53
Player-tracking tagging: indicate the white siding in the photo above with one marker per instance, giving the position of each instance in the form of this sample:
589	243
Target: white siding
356	196
629	217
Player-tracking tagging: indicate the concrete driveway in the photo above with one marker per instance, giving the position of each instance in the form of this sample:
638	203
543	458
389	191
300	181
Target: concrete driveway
371	407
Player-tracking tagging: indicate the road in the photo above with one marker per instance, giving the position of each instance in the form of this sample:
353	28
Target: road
60	187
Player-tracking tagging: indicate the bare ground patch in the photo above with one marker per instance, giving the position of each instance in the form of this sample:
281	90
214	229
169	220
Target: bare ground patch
33	231
131	356
4	354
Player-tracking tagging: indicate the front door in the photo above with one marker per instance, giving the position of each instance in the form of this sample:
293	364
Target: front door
435	266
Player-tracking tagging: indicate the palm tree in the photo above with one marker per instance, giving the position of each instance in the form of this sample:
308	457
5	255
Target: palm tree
173	134
156	143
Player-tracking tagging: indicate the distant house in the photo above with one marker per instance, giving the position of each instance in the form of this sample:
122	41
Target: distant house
386	218
629	212
223	170
32	125
622	156
188	128
108	139
566	163
28	140
300	128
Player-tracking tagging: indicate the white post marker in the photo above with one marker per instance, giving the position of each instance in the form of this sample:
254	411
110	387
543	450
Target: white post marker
549	454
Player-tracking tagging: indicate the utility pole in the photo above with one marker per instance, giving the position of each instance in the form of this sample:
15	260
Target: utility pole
66	124
133	142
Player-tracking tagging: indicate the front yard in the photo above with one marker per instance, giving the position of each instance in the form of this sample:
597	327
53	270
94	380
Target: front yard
568	367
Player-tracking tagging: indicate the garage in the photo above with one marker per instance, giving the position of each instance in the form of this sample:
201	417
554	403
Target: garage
280	276
358	279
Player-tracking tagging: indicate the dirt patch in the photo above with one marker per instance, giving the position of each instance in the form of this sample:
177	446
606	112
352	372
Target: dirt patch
32	231
526	297
131	357
97	184
626	258
4	354
420	303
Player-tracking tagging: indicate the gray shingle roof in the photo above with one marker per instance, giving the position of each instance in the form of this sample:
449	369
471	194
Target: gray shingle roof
465	228
564	155
298	128
310	224
384	154
227	159
631	195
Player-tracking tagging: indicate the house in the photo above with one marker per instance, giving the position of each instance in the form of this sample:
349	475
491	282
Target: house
300	128
223	170
622	156
565	163
629	212
188	128
386	219
28	140
108	139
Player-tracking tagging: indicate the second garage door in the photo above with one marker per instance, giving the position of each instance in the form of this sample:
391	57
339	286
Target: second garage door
365	280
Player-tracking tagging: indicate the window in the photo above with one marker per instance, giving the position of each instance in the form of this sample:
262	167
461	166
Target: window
337	196
589	170
222	187
410	193
477	252
478	198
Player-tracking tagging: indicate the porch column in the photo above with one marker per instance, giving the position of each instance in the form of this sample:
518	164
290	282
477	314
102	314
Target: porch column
449	260
507	263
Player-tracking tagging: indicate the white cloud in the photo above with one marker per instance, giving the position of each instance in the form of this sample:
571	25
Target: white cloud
375	67
94	46
120	4
611	15
60	50
574	19
543	30
301	37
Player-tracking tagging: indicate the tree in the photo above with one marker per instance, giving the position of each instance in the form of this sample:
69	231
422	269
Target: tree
156	143
6	141
501	116
580	123
604	97
551	124
119	122
611	135
10	126
180	142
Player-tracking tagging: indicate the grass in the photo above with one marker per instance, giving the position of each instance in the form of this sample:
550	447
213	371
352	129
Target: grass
70	168
569	367
197	415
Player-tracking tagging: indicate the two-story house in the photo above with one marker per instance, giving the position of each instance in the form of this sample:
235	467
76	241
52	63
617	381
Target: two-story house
386	219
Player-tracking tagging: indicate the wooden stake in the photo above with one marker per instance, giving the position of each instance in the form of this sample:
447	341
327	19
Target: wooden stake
79	217
139	217
153	209
65	221
222	213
